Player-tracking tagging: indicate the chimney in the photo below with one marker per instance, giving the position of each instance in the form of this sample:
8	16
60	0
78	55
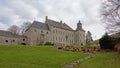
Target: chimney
61	21
46	17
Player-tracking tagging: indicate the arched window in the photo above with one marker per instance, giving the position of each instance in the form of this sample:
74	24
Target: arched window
23	39
6	41
13	40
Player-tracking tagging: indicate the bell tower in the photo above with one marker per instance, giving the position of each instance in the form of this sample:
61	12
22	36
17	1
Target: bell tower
79	26
79	34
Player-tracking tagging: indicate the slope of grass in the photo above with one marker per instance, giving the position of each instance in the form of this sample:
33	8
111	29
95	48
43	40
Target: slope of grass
35	57
102	60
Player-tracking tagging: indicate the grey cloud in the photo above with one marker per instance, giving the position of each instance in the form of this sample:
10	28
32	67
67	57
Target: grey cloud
70	11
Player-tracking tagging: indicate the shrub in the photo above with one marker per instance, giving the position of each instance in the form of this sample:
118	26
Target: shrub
60	47
107	42
48	43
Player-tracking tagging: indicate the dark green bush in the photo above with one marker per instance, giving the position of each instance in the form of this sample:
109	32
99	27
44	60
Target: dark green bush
107	42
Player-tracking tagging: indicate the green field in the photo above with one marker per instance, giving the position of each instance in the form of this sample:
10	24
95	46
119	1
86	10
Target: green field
102	60
35	57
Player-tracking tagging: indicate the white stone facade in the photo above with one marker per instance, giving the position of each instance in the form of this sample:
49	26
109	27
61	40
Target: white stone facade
55	33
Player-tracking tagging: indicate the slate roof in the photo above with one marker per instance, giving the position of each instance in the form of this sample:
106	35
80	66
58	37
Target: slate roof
9	34
80	29
58	24
40	25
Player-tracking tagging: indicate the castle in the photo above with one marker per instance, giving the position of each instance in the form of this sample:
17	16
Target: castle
53	32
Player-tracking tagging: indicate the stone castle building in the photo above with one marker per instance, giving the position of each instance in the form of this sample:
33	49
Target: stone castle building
55	32
50	31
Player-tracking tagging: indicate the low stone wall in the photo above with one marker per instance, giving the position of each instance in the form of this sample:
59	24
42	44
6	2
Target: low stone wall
117	47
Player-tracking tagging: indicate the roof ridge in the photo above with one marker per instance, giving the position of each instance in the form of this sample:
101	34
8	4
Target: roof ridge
58	24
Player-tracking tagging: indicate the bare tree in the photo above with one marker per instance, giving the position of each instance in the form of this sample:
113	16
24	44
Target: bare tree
110	12
25	26
14	29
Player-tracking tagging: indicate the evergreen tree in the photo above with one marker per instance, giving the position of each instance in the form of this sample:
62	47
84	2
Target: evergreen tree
107	42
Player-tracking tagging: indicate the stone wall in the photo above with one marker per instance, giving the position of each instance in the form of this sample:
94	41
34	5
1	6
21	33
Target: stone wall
37	36
80	37
8	40
117	47
55	36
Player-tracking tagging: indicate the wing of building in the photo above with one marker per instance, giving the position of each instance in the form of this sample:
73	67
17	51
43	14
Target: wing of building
8	38
55	33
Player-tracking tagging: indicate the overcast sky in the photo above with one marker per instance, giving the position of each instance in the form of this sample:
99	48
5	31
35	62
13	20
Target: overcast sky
16	12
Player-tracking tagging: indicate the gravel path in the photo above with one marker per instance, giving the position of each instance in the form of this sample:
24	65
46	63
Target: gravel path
75	64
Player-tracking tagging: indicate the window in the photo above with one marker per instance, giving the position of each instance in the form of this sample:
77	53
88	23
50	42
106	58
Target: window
59	39
53	38
13	40
56	31
41	31
23	39
53	31
6	41
56	38
42	35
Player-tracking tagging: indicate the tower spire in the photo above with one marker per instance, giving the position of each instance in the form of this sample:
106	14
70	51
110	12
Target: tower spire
79	25
79	21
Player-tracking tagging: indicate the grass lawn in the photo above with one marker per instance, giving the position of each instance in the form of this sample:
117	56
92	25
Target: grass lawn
102	60
35	57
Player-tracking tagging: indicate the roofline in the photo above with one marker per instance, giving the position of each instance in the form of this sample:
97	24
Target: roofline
59	22
14	35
